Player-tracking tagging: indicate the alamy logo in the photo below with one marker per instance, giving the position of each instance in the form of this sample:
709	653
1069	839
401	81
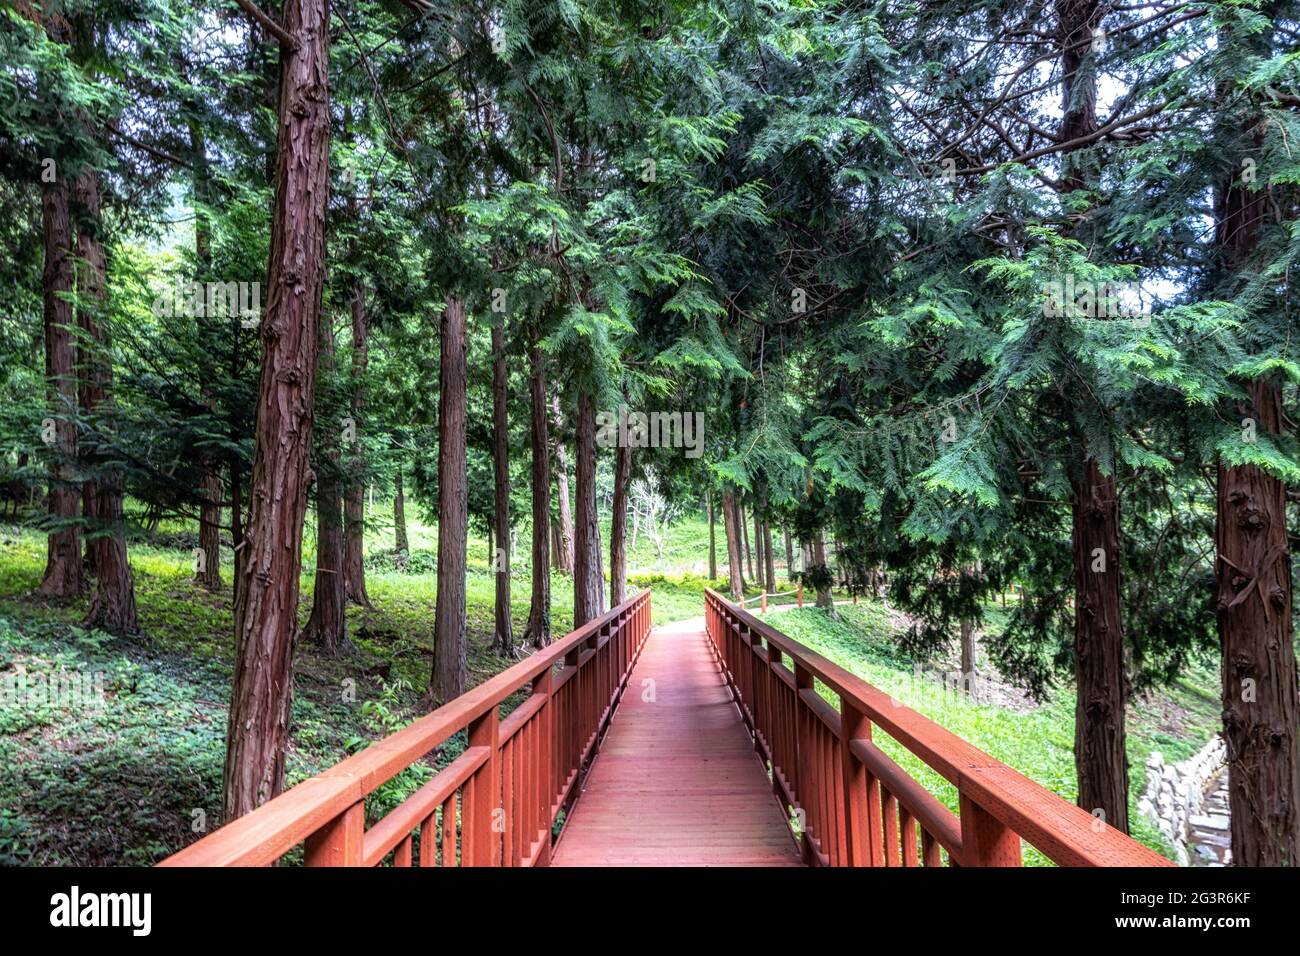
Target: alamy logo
213	300
102	909
1095	300
651	430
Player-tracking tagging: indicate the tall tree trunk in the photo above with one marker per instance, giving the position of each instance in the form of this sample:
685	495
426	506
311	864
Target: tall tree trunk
564	536
1261	727
744	539
967	655
588	588
824	596
759	558
63	571
713	536
327	626
266	626
400	542
62	577
789	554
1099	755
1101	763
735	579
618	527
449	670
504	629
112	607
354	515
767	554
208	572
236	470
538	630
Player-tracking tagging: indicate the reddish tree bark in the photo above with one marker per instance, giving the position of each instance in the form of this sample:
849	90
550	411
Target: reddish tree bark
354	513
1261	726
824	596
235	470
112	606
563	532
503	628
767	556
618	527
327	627
449	670
588	588
713	537
208	573
1101	762
743	525
538	630
266	626
62	578
400	541
734	577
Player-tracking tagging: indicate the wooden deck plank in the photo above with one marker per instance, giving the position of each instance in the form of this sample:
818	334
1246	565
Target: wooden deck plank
676	782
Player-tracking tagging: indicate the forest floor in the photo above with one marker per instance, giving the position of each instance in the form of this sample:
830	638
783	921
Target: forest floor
136	775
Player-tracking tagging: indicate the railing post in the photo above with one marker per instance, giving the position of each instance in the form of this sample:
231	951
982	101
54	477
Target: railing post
542	684
339	842
801	594
483	797
778	733
763	609
985	840
861	795
804	782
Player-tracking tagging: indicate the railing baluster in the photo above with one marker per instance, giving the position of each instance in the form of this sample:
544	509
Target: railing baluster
449	826
930	853
889	809
510	754
545	763
907	832
429	840
402	855
834	793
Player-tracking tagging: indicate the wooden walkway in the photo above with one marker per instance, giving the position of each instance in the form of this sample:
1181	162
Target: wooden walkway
677	781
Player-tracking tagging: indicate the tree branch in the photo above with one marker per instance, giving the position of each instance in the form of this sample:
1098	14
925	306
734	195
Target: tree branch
266	23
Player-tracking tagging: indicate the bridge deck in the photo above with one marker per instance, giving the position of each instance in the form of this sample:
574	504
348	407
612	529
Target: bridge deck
677	781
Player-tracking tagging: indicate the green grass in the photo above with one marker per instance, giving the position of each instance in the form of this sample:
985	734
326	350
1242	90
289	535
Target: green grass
1038	742
127	782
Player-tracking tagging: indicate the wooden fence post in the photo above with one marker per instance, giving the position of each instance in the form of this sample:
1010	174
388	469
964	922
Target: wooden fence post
805	781
542	684
339	842
861	795
483	797
985	840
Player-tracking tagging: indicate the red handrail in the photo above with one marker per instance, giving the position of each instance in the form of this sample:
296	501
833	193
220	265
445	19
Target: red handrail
512	780
859	808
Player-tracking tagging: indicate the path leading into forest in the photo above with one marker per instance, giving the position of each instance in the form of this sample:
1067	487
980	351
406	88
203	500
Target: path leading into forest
677	781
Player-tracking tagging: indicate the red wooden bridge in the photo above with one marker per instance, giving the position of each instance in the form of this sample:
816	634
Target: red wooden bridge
685	745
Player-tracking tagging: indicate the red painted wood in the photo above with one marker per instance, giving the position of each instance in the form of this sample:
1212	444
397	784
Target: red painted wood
676	781
823	760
